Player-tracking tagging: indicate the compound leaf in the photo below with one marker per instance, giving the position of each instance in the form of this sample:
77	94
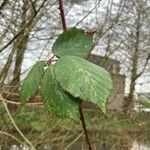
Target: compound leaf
83	79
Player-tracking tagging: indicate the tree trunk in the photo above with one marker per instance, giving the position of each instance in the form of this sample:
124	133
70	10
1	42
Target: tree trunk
22	43
129	101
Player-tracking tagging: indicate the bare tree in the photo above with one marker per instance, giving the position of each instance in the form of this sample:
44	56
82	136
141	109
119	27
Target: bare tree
128	42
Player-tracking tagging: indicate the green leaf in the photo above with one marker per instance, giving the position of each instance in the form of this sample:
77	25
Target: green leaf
73	42
31	83
83	79
56	99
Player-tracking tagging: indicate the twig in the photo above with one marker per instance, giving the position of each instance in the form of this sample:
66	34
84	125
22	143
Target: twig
33	7
145	65
3	5
63	20
50	60
88	13
24	27
13	122
13	137
84	126
70	144
18	103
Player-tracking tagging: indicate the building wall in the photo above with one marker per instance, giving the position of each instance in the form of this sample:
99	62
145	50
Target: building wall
116	98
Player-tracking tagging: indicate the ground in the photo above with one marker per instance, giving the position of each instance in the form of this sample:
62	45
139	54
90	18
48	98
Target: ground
43	127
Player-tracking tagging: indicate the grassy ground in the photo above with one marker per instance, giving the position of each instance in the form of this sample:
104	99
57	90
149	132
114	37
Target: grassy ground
41	126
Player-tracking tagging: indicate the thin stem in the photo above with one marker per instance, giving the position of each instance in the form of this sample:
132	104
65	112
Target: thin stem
13	122
84	126
70	144
10	135
63	20
50	60
61	8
